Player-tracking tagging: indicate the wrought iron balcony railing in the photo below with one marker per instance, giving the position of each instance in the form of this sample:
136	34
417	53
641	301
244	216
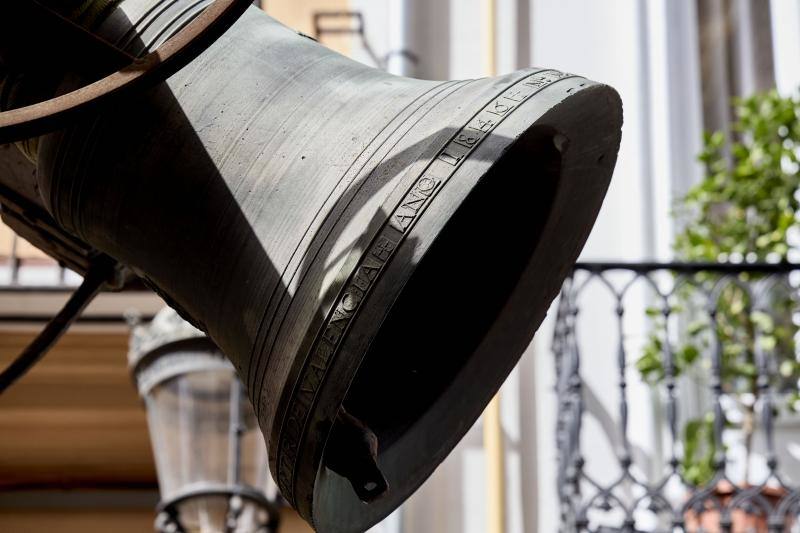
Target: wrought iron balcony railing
676	385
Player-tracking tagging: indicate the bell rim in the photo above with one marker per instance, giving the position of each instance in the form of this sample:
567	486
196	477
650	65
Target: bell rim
307	503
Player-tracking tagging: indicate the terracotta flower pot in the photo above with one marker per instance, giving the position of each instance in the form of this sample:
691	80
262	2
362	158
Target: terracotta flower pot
708	520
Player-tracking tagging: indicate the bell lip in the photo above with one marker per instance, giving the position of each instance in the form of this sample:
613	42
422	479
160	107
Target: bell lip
540	112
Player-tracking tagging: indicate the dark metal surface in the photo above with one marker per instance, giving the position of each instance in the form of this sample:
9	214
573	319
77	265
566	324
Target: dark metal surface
177	52
34	224
23	23
635	500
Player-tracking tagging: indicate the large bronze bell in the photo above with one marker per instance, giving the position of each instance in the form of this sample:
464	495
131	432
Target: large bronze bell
373	253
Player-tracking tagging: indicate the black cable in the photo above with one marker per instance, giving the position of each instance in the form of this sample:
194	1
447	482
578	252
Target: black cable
98	274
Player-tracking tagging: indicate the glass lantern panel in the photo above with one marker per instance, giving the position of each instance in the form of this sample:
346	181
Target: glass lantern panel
190	428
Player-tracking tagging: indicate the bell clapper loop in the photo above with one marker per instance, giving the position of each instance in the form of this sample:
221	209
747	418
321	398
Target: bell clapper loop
352	452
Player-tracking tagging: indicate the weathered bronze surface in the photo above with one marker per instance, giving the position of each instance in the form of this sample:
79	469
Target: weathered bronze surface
373	253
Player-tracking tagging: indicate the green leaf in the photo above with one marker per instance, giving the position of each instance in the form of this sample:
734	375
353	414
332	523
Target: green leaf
696	327
688	354
767	342
652	312
763	321
788	369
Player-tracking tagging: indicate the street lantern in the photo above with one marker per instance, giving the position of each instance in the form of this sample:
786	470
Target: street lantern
210	455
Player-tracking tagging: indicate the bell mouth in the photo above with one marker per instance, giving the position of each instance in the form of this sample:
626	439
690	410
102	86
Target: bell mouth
461	320
465	279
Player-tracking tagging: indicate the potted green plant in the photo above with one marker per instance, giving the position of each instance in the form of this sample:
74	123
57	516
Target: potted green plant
744	210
